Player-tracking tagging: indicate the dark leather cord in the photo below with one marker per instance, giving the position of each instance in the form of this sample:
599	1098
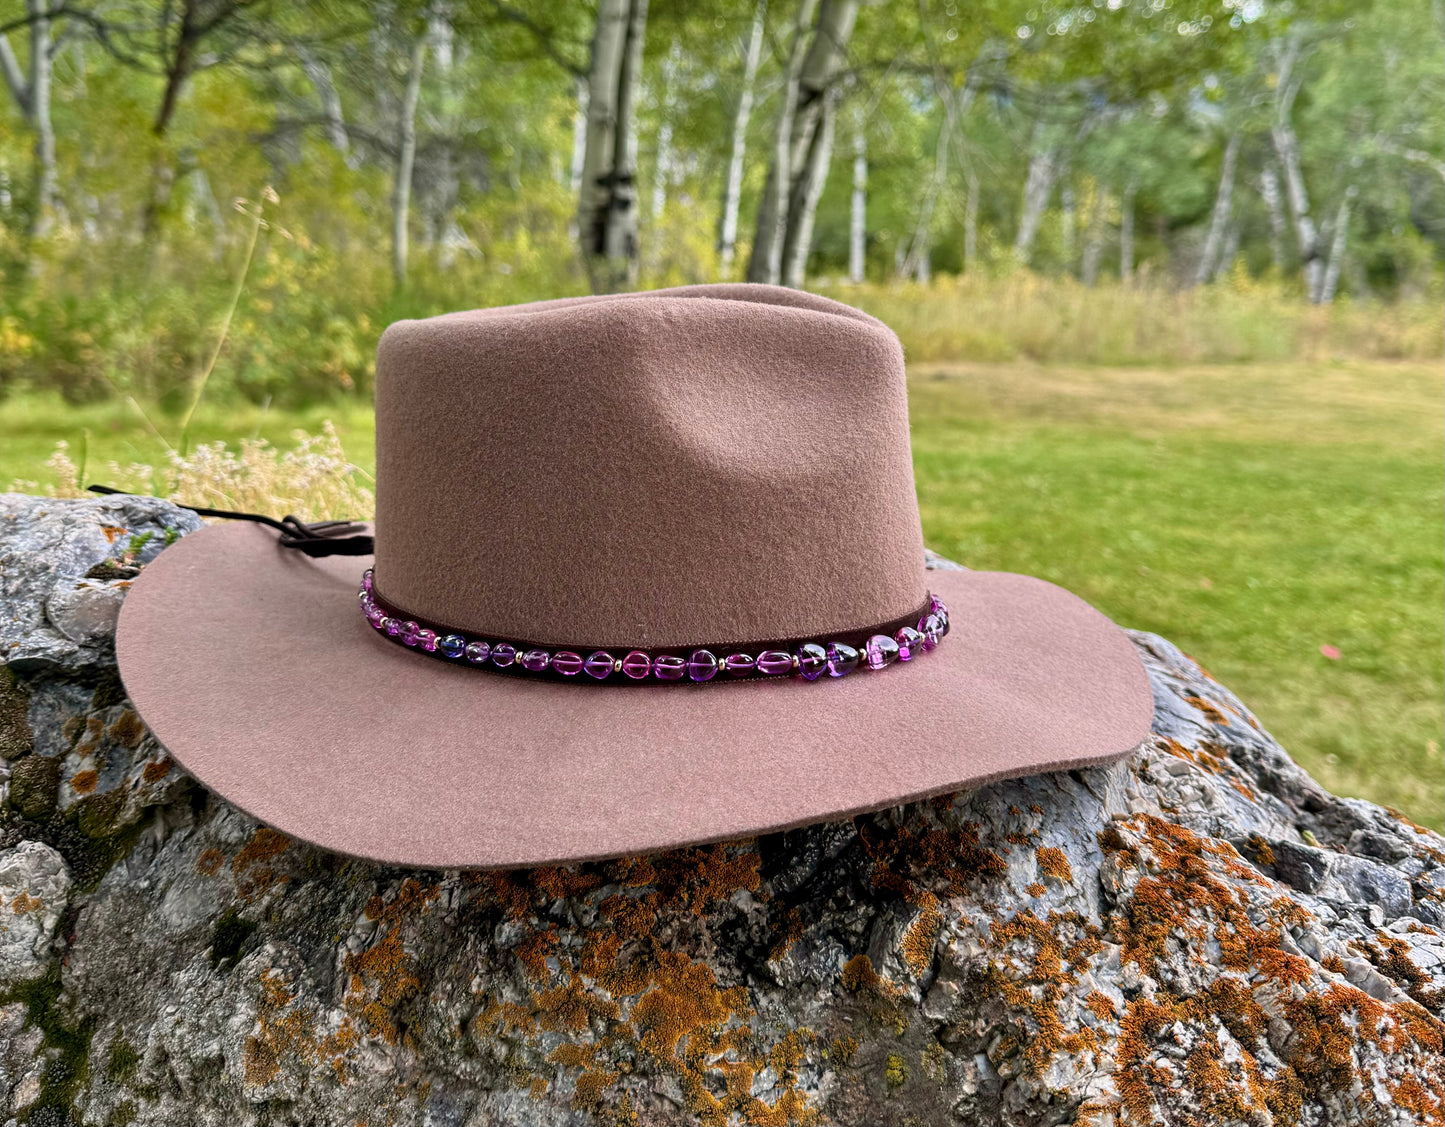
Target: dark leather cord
324	538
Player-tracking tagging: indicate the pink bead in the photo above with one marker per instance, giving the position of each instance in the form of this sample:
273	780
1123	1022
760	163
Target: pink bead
567	663
910	642
598	664
739	665
880	650
428	640
410	633
669	667
637	665
775	662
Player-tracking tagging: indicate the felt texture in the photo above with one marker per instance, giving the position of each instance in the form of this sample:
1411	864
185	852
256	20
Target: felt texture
644	470
255	669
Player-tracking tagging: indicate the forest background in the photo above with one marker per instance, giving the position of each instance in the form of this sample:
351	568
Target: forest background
1168	272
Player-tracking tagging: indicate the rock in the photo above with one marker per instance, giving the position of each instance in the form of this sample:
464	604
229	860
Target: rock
34	888
1198	934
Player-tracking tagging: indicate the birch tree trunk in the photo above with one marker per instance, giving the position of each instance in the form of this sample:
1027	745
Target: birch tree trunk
1230	252
662	175
1037	185
766	258
31	93
607	215
809	188
405	160
732	188
1219	218
1274	208
579	138
1331	281
804	144
1126	234
916	263
1093	241
1068	206
319	75
1286	147
970	224
858	205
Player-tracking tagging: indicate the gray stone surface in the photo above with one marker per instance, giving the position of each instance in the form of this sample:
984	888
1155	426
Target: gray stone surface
1198	935
64	568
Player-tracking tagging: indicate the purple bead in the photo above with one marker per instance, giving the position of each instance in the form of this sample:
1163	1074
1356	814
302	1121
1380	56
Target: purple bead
567	663
931	629
392	626
452	646
503	654
739	665
366	580
669	667
842	659
637	665
428	640
599	664
410	633
910	641
535	660
375	615
478	652
935	604
812	660
880	650
774	662
702	665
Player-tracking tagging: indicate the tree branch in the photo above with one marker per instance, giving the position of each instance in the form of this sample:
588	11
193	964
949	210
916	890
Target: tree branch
540	34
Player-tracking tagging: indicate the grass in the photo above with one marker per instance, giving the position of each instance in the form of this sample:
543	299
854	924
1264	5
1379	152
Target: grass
1251	513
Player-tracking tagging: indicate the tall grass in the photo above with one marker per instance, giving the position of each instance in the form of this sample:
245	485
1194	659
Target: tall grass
1025	316
313	479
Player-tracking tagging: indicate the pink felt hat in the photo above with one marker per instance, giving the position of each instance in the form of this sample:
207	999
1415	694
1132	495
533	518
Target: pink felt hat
647	572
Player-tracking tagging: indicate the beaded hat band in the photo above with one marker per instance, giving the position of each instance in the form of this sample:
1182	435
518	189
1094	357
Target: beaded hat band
873	647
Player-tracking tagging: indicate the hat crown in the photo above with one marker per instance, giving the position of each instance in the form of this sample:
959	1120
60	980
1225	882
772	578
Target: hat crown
708	463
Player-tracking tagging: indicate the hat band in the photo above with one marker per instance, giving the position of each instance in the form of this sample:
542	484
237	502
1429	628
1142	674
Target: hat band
872	647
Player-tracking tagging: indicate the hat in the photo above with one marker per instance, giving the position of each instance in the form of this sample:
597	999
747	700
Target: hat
648	572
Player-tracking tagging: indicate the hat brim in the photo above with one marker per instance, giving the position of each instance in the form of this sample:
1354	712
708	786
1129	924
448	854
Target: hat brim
255	669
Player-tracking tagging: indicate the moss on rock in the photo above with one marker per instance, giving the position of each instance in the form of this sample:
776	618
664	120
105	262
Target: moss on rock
34	786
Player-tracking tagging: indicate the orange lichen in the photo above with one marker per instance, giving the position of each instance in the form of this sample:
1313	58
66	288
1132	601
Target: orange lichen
266	843
1035	889
208	864
384	976
280	1031
685	1001
572	1007
788	934
127	729
84	782
24	903
1210	710
158	769
1101	1006
859	975
1054	862
532	952
919	938
1036	971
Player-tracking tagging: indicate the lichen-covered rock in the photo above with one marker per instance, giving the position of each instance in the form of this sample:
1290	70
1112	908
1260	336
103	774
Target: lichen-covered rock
64	568
1198	935
34	888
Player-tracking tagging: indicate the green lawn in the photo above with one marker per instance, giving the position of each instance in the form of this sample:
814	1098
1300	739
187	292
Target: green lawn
1250	513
